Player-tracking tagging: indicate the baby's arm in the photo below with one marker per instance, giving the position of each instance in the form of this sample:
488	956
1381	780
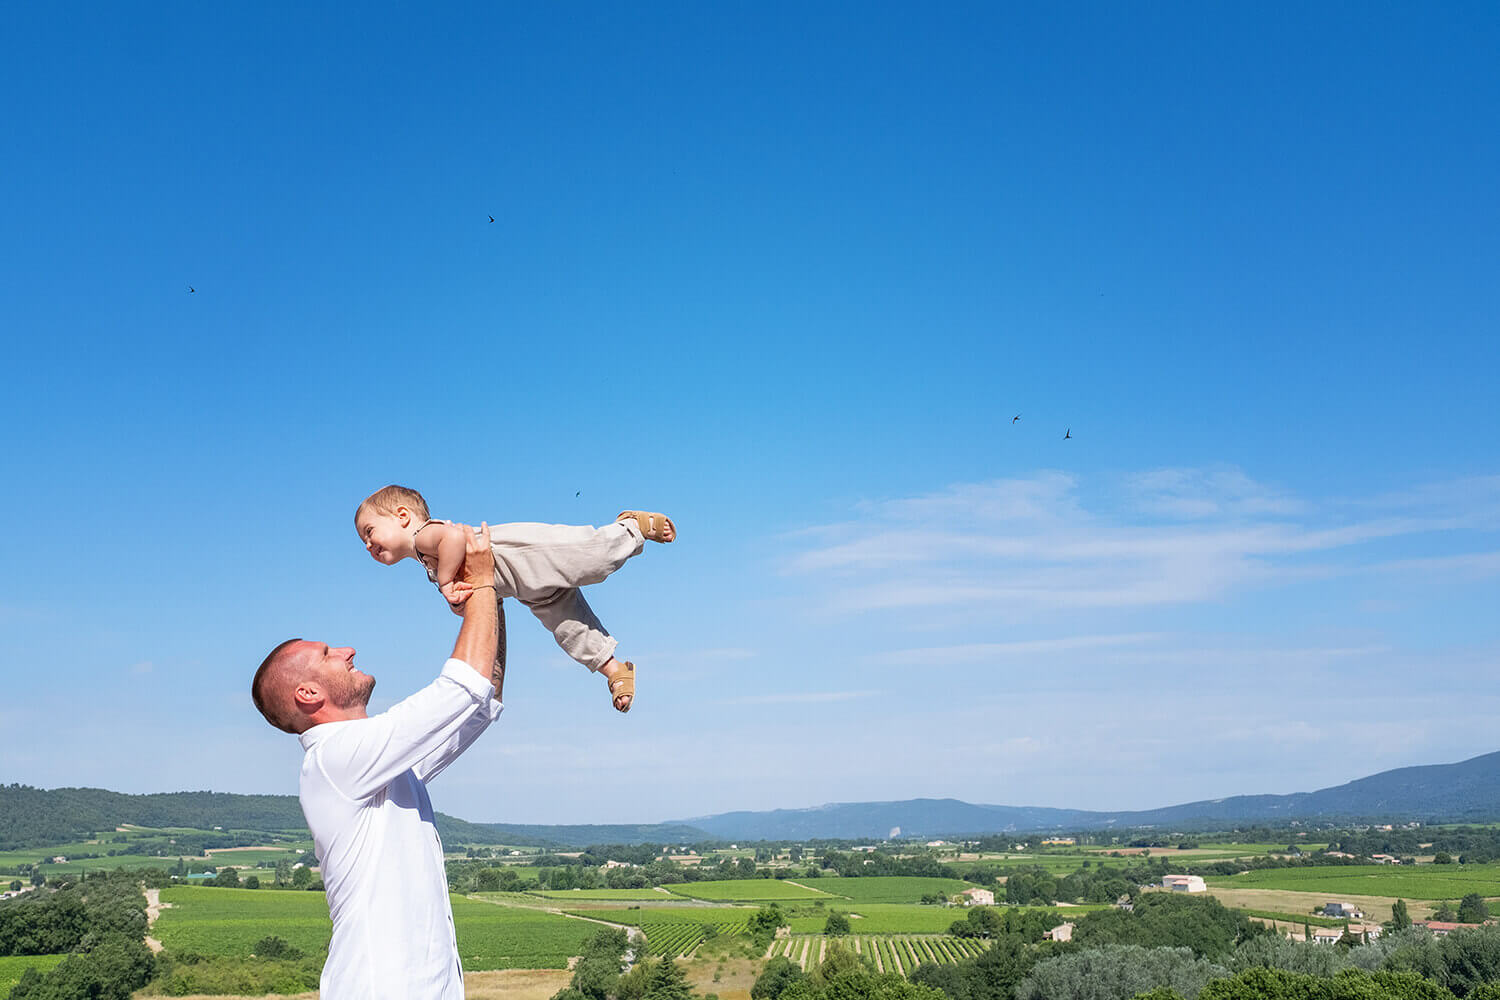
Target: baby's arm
444	543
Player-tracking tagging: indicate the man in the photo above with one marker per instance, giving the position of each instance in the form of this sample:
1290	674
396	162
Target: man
364	793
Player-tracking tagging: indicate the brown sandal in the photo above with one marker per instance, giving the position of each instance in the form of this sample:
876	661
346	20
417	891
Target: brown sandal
626	680
652	525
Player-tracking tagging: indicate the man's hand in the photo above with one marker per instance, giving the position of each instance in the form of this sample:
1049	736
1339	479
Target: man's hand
479	559
456	594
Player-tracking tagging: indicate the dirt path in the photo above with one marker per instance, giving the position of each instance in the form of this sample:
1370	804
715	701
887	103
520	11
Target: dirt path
154	906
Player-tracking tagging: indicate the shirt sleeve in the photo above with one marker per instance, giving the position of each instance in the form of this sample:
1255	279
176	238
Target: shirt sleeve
432	765
365	757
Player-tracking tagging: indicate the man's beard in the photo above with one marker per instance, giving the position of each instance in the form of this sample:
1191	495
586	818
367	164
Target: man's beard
356	691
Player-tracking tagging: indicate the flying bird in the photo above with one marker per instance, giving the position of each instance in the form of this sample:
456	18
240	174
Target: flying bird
492	218
1015	418
579	493
191	289
1069	434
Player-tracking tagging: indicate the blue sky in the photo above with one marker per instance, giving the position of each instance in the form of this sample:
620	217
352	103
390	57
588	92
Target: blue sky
787	272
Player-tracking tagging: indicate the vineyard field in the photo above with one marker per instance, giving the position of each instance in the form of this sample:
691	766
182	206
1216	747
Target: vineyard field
891	953
12	967
677	931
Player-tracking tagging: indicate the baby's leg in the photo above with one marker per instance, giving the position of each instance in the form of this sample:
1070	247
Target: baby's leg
580	634
535	560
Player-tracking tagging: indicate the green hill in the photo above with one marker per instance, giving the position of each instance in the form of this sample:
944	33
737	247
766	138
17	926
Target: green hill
35	817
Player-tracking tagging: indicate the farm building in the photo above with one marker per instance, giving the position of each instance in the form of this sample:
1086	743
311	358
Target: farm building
1059	842
979	897
1327	935
1343	910
1385	859
1062	932
1183	883
1441	928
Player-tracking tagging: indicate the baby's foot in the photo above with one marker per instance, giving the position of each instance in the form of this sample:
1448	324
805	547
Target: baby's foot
656	527
621	680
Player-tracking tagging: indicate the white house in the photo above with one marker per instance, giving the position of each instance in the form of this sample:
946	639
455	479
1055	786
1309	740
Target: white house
979	897
1183	883
1062	932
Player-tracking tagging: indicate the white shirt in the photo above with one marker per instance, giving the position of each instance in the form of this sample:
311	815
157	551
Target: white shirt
364	794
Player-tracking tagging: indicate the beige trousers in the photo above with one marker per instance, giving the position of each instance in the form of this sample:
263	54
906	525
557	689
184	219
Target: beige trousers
543	565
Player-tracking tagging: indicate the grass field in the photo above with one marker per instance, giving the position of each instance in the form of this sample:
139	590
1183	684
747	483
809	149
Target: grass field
878	918
503	937
12	966
889	889
604	894
251	856
1391	881
141	839
230	921
1377	909
746	889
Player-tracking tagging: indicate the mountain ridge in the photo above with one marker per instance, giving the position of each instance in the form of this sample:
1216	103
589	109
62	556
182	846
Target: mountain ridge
1468	790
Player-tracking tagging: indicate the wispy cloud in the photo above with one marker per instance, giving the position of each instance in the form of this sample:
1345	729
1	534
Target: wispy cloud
977	651
1180	536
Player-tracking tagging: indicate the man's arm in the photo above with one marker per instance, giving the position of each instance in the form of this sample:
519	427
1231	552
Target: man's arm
475	638
478	643
432	765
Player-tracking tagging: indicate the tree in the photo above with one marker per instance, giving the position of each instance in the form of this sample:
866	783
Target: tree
667	981
779	973
836	924
1400	919
1442	858
15	885
302	878
283	872
1445	912
1472	909
252	881
274	947
763	924
1118	972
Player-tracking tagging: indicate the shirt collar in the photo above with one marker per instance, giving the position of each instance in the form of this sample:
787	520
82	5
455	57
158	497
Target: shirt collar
309	738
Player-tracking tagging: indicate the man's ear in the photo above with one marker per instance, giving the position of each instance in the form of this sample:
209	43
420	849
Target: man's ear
308	697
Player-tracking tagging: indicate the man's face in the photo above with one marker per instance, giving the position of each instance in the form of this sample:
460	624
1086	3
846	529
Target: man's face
332	667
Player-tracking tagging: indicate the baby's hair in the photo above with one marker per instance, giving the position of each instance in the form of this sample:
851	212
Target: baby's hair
387	500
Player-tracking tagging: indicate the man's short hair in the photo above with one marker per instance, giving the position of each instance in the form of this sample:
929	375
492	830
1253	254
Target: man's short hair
270	690
388	499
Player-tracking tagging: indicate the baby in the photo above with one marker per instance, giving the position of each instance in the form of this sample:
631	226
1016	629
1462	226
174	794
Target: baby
540	565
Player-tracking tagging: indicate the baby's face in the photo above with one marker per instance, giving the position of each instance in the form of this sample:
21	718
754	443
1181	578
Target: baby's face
387	537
